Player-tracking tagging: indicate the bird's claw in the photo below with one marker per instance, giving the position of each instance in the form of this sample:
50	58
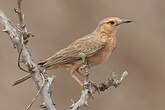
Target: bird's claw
95	85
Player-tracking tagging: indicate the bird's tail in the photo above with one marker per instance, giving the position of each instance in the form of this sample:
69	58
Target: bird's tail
28	76
22	79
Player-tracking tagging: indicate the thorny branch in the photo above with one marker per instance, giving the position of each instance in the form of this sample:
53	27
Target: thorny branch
87	87
19	40
85	93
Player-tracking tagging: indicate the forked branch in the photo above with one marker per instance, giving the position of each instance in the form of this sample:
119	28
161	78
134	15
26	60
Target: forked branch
87	87
18	36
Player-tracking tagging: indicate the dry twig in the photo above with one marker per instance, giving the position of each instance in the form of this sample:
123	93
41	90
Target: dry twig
20	40
86	94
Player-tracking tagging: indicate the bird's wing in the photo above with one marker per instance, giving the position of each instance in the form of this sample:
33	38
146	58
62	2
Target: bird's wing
87	45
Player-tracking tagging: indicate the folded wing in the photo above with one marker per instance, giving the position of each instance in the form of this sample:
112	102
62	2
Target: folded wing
88	45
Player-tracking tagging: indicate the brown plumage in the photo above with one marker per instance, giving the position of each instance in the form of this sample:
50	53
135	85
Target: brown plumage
97	46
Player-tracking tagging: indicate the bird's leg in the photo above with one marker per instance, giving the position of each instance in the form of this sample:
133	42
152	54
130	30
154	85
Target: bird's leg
95	84
80	73
84	75
76	78
92	83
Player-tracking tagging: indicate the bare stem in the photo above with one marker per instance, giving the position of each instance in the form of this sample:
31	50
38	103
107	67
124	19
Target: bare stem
86	94
18	40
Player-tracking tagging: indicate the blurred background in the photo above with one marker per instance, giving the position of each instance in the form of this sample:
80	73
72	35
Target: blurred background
56	23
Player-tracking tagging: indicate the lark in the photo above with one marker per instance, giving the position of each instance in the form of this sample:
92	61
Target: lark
97	46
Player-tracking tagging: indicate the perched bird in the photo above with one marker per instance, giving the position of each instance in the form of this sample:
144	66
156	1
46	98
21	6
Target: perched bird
97	46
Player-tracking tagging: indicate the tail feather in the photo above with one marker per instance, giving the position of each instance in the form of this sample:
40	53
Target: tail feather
22	79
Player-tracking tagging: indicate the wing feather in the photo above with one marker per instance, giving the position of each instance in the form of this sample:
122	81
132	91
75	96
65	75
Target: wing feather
87	45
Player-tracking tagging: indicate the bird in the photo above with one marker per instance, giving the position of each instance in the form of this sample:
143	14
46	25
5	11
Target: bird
97	46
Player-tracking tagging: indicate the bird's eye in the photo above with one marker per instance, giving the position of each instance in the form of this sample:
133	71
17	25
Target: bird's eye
112	22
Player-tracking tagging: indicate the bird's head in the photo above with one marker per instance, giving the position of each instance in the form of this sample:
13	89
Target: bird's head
111	24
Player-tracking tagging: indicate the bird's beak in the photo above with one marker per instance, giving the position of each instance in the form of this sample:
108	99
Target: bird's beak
124	21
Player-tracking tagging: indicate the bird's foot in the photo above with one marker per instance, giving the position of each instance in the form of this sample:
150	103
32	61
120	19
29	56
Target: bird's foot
93	85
